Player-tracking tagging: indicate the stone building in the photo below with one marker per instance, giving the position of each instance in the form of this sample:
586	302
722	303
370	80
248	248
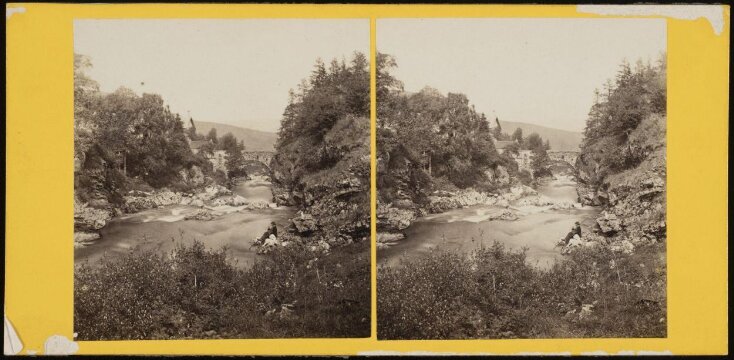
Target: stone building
523	158
196	145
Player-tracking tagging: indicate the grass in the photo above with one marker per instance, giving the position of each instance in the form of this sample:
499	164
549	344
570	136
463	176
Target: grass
495	293
197	293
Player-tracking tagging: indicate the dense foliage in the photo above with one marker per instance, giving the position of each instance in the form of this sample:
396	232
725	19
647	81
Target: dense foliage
322	154
635	95
427	136
121	136
496	293
198	293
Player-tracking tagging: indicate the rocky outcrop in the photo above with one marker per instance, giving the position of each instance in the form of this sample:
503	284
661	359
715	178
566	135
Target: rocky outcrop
136	201
387	239
202	215
305	224
82	239
390	218
442	201
233	200
608	223
633	200
90	219
213	191
259	205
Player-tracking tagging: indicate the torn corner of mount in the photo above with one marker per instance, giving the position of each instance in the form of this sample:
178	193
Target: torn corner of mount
9	11
59	345
11	342
713	13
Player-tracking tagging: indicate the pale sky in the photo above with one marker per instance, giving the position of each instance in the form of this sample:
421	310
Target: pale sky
236	72
539	71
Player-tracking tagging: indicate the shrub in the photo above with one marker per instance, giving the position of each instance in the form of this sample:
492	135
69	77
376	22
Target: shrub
195	292
495	293
525	177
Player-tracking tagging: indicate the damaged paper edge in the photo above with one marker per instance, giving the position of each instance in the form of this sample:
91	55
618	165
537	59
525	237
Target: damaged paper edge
9	11
54	344
11	342
713	13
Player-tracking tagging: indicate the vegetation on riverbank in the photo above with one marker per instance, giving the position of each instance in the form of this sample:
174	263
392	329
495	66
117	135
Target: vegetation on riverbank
612	283
432	144
196	293
125	141
322	164
129	142
496	293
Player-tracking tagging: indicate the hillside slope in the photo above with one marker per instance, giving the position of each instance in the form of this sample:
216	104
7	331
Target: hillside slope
255	140
562	140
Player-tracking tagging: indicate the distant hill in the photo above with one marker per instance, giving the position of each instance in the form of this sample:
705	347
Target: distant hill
254	139
563	140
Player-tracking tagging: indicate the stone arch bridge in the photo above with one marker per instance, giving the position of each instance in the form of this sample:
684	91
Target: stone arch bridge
263	157
566	156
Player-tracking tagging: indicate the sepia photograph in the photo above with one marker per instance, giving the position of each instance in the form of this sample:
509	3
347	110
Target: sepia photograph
221	179
521	178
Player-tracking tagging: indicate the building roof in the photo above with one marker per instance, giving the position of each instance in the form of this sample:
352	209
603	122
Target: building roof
503	144
197	144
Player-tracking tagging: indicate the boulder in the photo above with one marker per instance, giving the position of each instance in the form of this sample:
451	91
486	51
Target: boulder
439	204
389	237
202	215
258	205
83	238
213	191
537	200
238	200
608	223
397	219
89	219
304	224
233	200
135	202
563	205
197	202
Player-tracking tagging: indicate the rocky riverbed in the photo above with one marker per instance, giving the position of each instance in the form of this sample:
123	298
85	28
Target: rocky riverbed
208	203
508	205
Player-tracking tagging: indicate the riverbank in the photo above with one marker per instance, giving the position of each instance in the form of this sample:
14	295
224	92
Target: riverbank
472	206
210	202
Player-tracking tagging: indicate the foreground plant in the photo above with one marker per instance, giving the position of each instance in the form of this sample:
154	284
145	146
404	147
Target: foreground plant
495	293
194	292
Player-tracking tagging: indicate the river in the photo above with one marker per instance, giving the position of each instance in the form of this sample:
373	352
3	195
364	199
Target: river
161	229
538	229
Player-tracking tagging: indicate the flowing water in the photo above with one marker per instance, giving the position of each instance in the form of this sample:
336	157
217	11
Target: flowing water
538	229
161	229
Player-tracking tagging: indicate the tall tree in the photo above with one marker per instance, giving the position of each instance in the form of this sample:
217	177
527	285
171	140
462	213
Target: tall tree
212	136
517	135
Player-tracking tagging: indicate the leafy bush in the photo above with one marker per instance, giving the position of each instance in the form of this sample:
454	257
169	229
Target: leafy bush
495	293
198	293
525	177
612	141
